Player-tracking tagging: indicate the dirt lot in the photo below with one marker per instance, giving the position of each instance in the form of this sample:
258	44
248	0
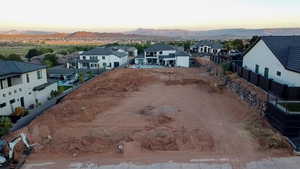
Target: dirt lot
157	115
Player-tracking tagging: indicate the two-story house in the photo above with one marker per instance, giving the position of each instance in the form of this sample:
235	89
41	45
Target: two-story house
277	58
23	85
207	47
163	54
101	58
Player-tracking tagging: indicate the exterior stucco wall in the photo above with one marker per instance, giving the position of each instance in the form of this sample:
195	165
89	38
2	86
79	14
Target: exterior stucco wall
261	55
22	89
44	95
104	59
183	61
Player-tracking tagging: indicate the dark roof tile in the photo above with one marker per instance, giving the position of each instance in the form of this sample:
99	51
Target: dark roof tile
159	47
285	49
15	67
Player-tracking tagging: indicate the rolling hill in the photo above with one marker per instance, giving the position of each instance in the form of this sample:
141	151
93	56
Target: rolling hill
216	34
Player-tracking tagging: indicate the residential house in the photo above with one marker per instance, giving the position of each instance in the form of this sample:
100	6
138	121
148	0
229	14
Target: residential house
100	58
132	51
163	54
64	76
207	47
23	85
277	58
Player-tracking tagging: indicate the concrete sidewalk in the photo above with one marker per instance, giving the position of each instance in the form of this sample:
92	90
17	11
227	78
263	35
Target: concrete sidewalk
274	163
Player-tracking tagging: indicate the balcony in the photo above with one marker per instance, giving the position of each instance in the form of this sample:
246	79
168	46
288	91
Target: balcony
10	82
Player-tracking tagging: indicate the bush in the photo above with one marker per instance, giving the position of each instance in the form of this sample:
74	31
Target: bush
263	133
81	78
14	57
225	67
5	125
20	112
50	60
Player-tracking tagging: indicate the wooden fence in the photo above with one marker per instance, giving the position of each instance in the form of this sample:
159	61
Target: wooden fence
280	90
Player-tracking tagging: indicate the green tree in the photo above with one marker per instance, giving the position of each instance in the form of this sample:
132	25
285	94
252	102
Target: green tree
14	57
46	50
187	45
2	57
254	39
50	60
5	125
236	44
31	53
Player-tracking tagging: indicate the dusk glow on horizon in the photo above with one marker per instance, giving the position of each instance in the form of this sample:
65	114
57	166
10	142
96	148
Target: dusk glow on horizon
123	15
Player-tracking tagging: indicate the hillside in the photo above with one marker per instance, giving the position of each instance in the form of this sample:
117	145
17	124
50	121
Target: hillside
216	34
81	35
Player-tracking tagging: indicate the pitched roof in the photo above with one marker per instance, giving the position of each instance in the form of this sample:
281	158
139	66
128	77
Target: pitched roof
181	53
159	47
98	51
104	51
293	62
15	67
212	44
286	49
60	70
126	48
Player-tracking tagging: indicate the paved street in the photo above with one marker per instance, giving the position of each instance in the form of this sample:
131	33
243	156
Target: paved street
274	163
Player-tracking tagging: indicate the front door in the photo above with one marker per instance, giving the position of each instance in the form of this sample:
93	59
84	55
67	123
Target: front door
116	64
22	102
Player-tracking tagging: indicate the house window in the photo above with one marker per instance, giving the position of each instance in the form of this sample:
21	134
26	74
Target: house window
161	52
9	84
104	64
27	78
2	105
278	73
12	101
4	95
256	68
103	57
1	84
39	74
266	74
83	57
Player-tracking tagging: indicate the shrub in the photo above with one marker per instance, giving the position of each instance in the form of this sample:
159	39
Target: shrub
81	79
5	125
20	112
225	67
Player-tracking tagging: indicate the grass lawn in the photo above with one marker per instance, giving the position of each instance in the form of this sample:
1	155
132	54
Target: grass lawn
20	50
64	88
292	107
24	48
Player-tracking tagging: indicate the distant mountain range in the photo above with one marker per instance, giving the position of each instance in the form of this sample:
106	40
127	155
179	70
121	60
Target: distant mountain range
150	34
216	34
81	35
29	32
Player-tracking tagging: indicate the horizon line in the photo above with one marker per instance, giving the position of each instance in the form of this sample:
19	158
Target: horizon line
123	30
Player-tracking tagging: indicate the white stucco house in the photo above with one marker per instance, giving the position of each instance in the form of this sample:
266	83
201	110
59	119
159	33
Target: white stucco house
277	58
163	54
23	85
132	51
207	47
101	58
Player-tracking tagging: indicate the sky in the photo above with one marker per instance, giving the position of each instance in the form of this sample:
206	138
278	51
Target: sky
125	15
